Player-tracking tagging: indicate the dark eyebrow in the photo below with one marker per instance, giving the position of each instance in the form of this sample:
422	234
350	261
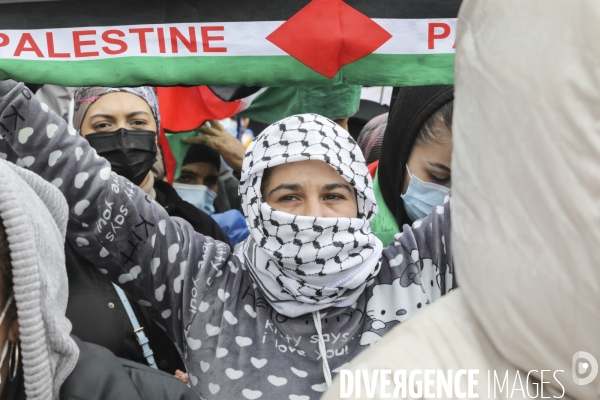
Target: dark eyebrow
107	116
288	186
130	115
136	113
333	186
440	166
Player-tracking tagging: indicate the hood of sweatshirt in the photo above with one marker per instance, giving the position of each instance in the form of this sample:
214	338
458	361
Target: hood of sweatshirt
413	106
34	214
526	198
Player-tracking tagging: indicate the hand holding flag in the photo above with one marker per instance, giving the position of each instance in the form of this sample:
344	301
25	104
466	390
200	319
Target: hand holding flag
217	137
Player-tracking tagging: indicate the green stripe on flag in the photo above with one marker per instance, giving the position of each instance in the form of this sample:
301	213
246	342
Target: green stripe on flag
373	70
179	149
331	101
166	71
410	70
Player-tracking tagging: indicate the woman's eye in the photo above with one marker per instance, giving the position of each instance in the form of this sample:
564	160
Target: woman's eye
287	198
333	197
139	123
101	125
438	180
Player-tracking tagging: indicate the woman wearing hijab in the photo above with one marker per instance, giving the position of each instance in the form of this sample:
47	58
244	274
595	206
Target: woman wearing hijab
414	172
122	125
39	359
309	289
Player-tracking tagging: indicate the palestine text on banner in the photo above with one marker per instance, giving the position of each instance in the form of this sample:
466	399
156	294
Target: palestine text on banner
368	51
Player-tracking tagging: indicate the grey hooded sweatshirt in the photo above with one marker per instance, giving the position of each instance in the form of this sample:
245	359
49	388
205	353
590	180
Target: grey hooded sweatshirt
34	216
234	344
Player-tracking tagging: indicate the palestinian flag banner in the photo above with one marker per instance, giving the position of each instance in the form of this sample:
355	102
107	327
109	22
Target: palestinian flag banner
229	42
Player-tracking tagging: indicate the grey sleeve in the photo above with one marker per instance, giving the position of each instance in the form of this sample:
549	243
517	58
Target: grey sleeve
160	261
426	248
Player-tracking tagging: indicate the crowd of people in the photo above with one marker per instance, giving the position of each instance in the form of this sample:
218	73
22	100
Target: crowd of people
262	271
308	280
308	283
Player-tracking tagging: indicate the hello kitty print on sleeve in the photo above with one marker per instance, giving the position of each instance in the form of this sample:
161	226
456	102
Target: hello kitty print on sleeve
417	270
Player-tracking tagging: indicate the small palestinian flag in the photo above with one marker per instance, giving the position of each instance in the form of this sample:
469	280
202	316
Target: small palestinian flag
184	109
229	42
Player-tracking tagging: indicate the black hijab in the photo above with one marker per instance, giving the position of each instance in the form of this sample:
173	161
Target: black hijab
411	109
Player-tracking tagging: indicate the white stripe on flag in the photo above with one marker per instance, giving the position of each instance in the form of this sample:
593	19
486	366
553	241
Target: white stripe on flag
410	36
247	101
418	36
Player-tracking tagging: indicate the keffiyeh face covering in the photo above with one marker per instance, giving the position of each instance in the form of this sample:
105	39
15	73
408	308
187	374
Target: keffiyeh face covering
305	264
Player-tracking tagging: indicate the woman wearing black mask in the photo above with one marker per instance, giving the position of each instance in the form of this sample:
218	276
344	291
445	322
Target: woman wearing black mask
121	124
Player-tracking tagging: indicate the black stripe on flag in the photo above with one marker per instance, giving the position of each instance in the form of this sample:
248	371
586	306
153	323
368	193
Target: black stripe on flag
67	14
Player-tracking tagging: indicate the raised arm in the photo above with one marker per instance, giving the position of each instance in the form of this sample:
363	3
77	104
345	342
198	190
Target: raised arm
159	260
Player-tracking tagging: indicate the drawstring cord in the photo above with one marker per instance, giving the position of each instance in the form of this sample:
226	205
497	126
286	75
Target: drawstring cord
326	372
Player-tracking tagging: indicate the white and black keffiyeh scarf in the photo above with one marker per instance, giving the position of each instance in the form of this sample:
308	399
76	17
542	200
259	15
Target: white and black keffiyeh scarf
305	264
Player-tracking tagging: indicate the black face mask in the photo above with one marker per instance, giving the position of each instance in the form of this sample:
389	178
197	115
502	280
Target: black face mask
131	154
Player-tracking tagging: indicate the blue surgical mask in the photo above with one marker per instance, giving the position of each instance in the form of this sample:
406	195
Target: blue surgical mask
421	197
230	125
199	196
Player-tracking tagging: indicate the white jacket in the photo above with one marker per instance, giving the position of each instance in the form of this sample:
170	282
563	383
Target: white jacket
526	206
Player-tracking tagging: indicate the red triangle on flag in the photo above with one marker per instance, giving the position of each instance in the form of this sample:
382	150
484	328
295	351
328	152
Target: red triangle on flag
328	34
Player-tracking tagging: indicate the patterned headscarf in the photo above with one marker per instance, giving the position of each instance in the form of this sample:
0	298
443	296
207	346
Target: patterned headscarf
305	264
371	137
85	96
